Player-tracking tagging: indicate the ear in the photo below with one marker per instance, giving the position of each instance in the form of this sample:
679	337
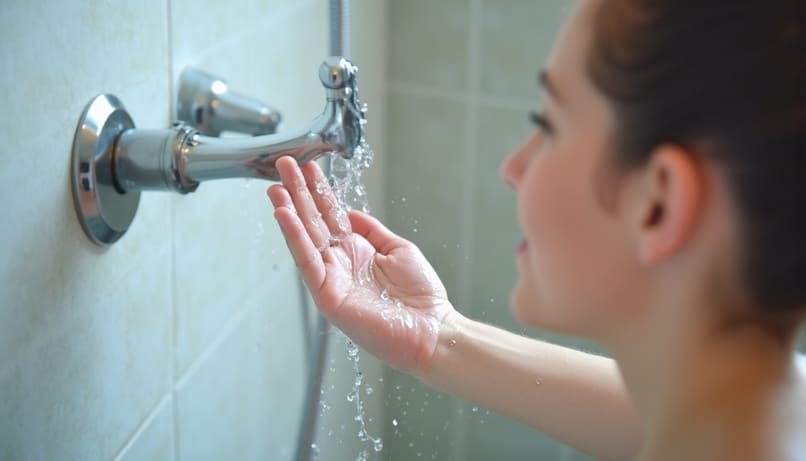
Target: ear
670	204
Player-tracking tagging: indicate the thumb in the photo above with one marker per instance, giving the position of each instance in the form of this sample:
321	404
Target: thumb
378	235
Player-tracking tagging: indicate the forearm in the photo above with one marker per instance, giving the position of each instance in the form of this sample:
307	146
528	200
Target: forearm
575	397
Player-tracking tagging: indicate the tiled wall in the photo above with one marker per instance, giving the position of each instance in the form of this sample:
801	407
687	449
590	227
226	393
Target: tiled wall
462	78
184	340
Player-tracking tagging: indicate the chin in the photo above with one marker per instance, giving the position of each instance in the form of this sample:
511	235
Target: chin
528	309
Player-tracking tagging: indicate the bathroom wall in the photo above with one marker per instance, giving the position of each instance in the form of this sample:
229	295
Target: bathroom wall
462	78
186	340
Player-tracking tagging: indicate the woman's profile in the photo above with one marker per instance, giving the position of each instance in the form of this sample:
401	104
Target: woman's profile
661	204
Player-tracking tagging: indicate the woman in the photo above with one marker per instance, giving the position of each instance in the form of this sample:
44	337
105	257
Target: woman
661	205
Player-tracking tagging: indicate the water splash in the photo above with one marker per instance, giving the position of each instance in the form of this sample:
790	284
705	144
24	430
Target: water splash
355	397
344	179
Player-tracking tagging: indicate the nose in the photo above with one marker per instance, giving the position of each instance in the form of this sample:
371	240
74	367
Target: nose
513	167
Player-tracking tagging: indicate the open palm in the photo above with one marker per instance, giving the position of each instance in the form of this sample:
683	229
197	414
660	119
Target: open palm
374	285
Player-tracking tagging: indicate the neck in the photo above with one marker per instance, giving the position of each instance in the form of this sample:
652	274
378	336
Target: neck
708	393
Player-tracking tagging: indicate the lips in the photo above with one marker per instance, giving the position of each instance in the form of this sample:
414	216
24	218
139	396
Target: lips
521	248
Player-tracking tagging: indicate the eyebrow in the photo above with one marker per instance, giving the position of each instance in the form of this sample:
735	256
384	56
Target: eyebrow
544	81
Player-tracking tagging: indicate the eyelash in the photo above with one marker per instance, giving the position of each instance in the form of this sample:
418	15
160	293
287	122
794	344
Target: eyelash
540	121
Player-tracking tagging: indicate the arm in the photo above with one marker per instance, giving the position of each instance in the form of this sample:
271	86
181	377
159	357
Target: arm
572	396
380	290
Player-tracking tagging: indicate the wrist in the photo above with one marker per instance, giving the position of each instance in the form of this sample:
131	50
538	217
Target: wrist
450	331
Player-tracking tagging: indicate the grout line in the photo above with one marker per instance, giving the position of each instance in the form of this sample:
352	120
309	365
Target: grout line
172	227
145	424
467	233
223	334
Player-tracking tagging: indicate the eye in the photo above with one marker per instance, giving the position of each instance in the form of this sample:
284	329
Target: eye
541	122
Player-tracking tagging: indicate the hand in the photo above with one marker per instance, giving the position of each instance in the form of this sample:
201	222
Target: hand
377	287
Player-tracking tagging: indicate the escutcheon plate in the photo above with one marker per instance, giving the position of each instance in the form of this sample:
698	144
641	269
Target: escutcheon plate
104	212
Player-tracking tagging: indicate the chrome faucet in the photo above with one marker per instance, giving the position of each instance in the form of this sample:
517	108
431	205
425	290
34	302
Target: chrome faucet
113	162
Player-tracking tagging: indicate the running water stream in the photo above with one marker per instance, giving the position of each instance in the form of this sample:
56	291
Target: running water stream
344	179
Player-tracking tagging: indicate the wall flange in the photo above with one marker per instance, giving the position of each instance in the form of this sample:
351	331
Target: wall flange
105	212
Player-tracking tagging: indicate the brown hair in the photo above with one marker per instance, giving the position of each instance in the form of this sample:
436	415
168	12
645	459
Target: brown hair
730	74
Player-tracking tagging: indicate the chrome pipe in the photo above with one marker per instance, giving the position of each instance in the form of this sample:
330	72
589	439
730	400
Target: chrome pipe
340	28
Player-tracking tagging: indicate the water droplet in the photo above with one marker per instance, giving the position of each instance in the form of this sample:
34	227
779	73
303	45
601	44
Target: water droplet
402	199
475	409
315	449
378	445
352	349
394	422
452	342
369	390
385	295
537	381
322	186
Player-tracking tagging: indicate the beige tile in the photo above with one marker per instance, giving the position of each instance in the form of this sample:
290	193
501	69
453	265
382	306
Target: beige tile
218	25
228	250
428	42
85	334
426	145
244	399
226	240
516	38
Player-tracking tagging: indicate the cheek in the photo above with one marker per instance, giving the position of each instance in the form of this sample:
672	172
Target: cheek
560	285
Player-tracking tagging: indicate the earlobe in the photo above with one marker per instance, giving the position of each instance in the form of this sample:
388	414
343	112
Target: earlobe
671	206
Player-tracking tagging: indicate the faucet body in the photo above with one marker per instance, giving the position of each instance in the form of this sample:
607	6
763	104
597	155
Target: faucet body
180	158
112	161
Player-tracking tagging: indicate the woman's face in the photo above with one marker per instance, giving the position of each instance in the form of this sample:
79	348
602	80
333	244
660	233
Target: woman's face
577	270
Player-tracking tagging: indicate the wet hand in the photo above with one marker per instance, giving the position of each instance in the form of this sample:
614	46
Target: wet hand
377	287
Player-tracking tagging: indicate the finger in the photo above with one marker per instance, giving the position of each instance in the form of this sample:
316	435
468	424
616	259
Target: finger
294	183
378	235
280	197
306	255
334	215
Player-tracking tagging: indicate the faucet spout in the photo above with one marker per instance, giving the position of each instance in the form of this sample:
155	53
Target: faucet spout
184	157
254	157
